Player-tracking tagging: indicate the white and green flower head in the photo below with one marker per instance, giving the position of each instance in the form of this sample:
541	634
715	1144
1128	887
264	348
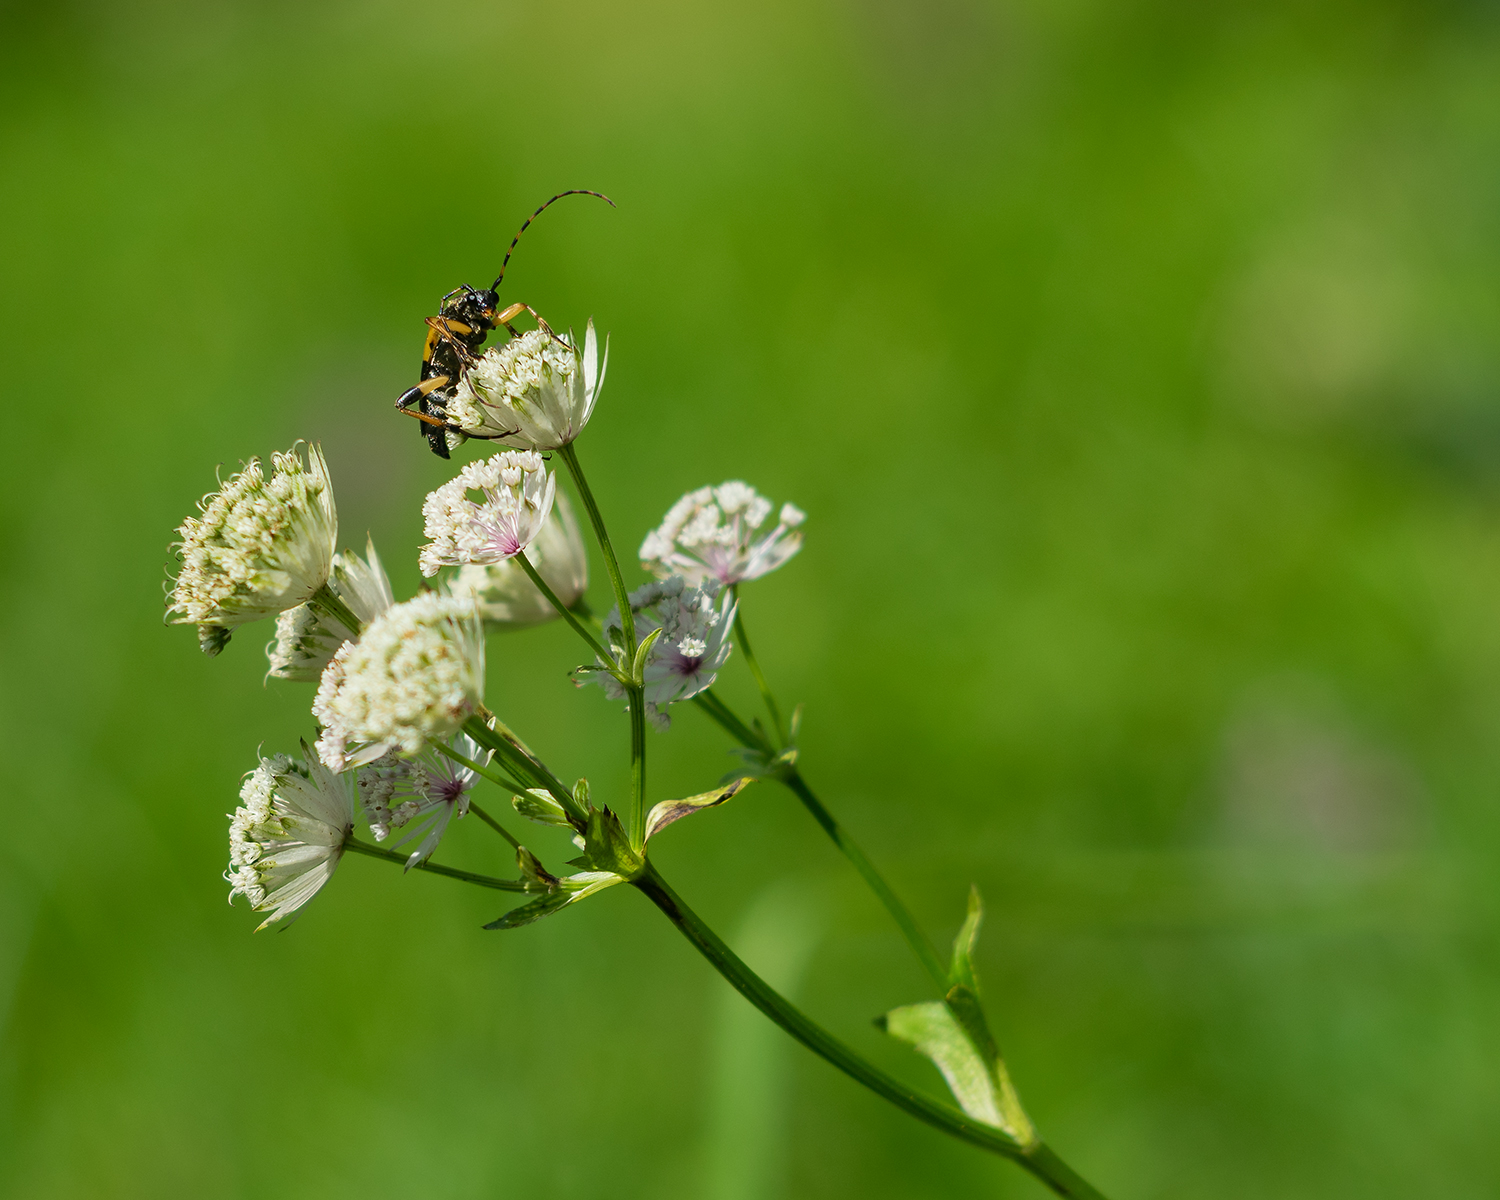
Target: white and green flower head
712	534
507	599
516	491
695	642
415	675
421	795
287	836
308	638
260	547
536	392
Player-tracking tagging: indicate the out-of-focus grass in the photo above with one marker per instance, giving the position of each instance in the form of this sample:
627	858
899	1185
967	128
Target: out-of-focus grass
1137	364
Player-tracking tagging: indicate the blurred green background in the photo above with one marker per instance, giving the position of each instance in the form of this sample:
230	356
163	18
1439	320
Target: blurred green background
1137	366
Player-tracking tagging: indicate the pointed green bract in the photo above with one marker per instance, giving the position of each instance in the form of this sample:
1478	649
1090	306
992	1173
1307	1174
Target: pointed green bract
569	890
668	811
539	806
961	973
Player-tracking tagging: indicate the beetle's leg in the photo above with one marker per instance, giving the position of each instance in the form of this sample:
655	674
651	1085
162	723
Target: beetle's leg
421	391
515	310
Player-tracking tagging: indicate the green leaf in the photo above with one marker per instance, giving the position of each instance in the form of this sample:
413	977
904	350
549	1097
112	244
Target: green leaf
668	811
569	890
539	806
641	651
532	870
961	973
606	847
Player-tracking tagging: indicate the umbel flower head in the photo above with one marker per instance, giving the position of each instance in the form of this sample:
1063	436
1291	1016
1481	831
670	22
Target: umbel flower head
536	392
288	834
260	547
421	795
711	534
507	598
415	675
695	642
307	638
517	492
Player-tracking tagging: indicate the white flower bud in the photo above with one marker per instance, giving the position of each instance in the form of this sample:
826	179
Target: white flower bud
415	675
518	492
536	392
507	598
710	534
262	546
307	639
288	835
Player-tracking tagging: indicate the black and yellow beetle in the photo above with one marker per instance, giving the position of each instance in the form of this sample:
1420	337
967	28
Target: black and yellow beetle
465	318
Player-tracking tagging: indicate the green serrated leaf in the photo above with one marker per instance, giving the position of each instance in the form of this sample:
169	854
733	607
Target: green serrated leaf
569	890
532	870
961	973
668	811
539	806
606	847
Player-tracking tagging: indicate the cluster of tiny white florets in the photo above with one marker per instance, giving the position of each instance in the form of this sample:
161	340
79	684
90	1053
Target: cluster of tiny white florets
260	547
288	834
506	596
536	392
424	793
694	645
308	638
416	674
711	534
517	490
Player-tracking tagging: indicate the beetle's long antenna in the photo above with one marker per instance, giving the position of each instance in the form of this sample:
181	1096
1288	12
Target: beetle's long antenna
495	287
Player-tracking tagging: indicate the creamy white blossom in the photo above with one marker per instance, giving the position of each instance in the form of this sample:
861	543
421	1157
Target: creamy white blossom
415	675
421	795
695	642
711	534
260	547
517	492
288	834
507	598
536	392
308	638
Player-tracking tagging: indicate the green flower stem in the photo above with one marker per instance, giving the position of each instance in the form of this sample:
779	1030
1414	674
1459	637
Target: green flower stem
526	765
488	881
566	613
479	769
326	601
637	698
1039	1160
760	679
915	938
494	824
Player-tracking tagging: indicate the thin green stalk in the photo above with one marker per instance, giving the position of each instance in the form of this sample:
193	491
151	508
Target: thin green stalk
525	764
494	824
488	881
326	601
1038	1159
566	613
915	938
760	679
636	696
481	770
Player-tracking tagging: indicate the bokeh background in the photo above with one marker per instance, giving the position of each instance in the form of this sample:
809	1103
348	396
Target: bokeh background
1137	366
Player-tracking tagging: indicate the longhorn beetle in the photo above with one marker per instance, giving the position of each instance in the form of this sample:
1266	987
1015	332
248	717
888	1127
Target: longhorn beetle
465	318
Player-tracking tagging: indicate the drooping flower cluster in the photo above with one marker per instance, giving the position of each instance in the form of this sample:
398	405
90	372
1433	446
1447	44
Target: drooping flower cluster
415	674
260	547
536	392
425	793
695	642
711	534
287	836
506	596
307	638
517	492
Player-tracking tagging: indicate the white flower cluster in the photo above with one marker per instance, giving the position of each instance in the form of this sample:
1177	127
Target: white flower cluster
426	793
260	547
308	638
536	392
711	534
288	834
506	596
415	674
518	492
695	642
